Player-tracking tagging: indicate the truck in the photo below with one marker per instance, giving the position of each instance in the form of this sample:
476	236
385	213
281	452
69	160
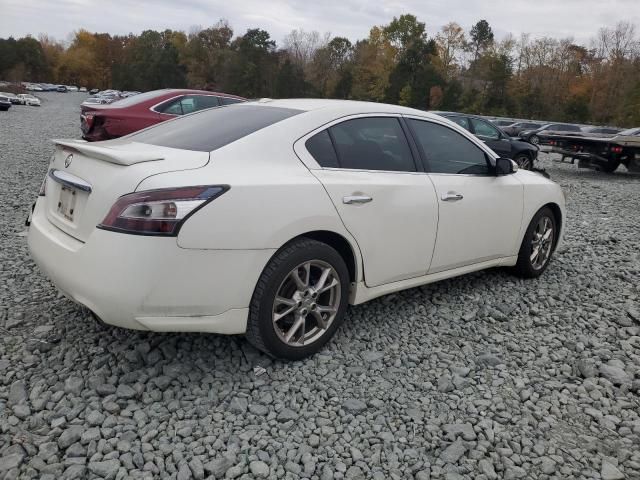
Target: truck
599	152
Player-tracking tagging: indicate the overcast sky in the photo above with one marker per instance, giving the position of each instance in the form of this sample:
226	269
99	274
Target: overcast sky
579	19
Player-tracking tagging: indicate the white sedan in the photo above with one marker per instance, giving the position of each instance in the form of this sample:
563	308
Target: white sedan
269	218
26	99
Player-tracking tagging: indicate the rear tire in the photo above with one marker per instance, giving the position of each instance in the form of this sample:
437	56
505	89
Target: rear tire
537	245
299	301
534	139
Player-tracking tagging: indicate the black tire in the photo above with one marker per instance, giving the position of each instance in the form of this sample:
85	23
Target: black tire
525	267
524	161
261	331
609	167
534	140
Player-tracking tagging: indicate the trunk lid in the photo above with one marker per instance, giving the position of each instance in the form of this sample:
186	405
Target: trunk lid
85	179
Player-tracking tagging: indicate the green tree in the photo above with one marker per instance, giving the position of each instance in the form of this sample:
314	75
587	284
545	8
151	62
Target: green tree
481	38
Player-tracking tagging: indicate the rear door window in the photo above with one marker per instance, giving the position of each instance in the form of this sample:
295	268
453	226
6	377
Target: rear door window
188	104
171	107
204	101
372	143
321	149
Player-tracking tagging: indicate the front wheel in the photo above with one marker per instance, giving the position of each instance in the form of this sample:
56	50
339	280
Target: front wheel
299	301
534	139
524	161
537	245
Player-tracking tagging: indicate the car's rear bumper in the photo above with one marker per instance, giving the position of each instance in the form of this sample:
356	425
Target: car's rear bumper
148	283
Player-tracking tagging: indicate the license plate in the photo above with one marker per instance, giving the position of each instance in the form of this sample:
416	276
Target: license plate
67	202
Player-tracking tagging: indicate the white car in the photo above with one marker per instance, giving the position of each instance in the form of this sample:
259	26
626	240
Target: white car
268	218
26	99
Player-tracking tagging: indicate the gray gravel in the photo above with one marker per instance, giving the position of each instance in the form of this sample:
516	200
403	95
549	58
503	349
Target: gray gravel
481	377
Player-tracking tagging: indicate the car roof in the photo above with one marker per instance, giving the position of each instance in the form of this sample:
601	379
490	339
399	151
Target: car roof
344	107
178	91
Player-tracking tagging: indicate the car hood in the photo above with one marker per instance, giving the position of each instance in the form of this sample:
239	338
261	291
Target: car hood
521	144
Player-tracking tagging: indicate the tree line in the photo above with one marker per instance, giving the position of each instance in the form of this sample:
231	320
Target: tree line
401	63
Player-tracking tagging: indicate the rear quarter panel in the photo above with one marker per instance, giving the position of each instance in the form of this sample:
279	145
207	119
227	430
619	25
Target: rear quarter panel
272	197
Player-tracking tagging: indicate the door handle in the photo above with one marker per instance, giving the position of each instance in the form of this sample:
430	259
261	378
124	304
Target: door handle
356	199
452	197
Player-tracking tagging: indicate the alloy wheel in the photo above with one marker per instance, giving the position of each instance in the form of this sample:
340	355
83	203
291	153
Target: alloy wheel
306	303
542	243
524	162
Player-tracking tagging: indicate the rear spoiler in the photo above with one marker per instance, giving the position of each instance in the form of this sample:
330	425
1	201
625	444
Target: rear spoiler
125	154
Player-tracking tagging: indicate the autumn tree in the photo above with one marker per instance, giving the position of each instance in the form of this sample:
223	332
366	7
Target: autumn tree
451	43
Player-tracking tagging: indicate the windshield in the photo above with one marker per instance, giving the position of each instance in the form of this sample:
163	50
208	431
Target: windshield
210	129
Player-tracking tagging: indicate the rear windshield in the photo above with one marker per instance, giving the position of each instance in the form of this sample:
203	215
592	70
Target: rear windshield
213	128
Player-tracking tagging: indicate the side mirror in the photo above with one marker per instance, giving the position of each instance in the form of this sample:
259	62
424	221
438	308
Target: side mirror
505	166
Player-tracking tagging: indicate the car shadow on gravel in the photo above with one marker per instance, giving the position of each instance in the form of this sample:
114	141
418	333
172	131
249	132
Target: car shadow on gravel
377	323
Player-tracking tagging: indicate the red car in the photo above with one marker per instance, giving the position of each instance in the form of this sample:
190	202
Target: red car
103	122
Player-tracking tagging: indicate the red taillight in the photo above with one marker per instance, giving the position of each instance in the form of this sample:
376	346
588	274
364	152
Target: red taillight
616	149
158	212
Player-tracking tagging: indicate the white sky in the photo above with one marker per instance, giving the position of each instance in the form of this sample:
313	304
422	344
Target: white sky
579	19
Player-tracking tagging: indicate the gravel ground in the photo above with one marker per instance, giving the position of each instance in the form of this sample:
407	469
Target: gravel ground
481	377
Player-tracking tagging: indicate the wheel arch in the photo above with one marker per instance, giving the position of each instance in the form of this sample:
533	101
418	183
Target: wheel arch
557	214
344	247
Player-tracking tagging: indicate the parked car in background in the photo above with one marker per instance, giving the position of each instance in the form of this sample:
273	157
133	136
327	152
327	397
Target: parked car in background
5	103
93	91
72	89
108	97
83	89
61	88
600	130
514	129
533	136
94	101
523	153
103	122
268	218
26	99
13	98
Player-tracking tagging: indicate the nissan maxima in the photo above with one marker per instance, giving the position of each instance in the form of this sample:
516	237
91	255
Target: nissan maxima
269	218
